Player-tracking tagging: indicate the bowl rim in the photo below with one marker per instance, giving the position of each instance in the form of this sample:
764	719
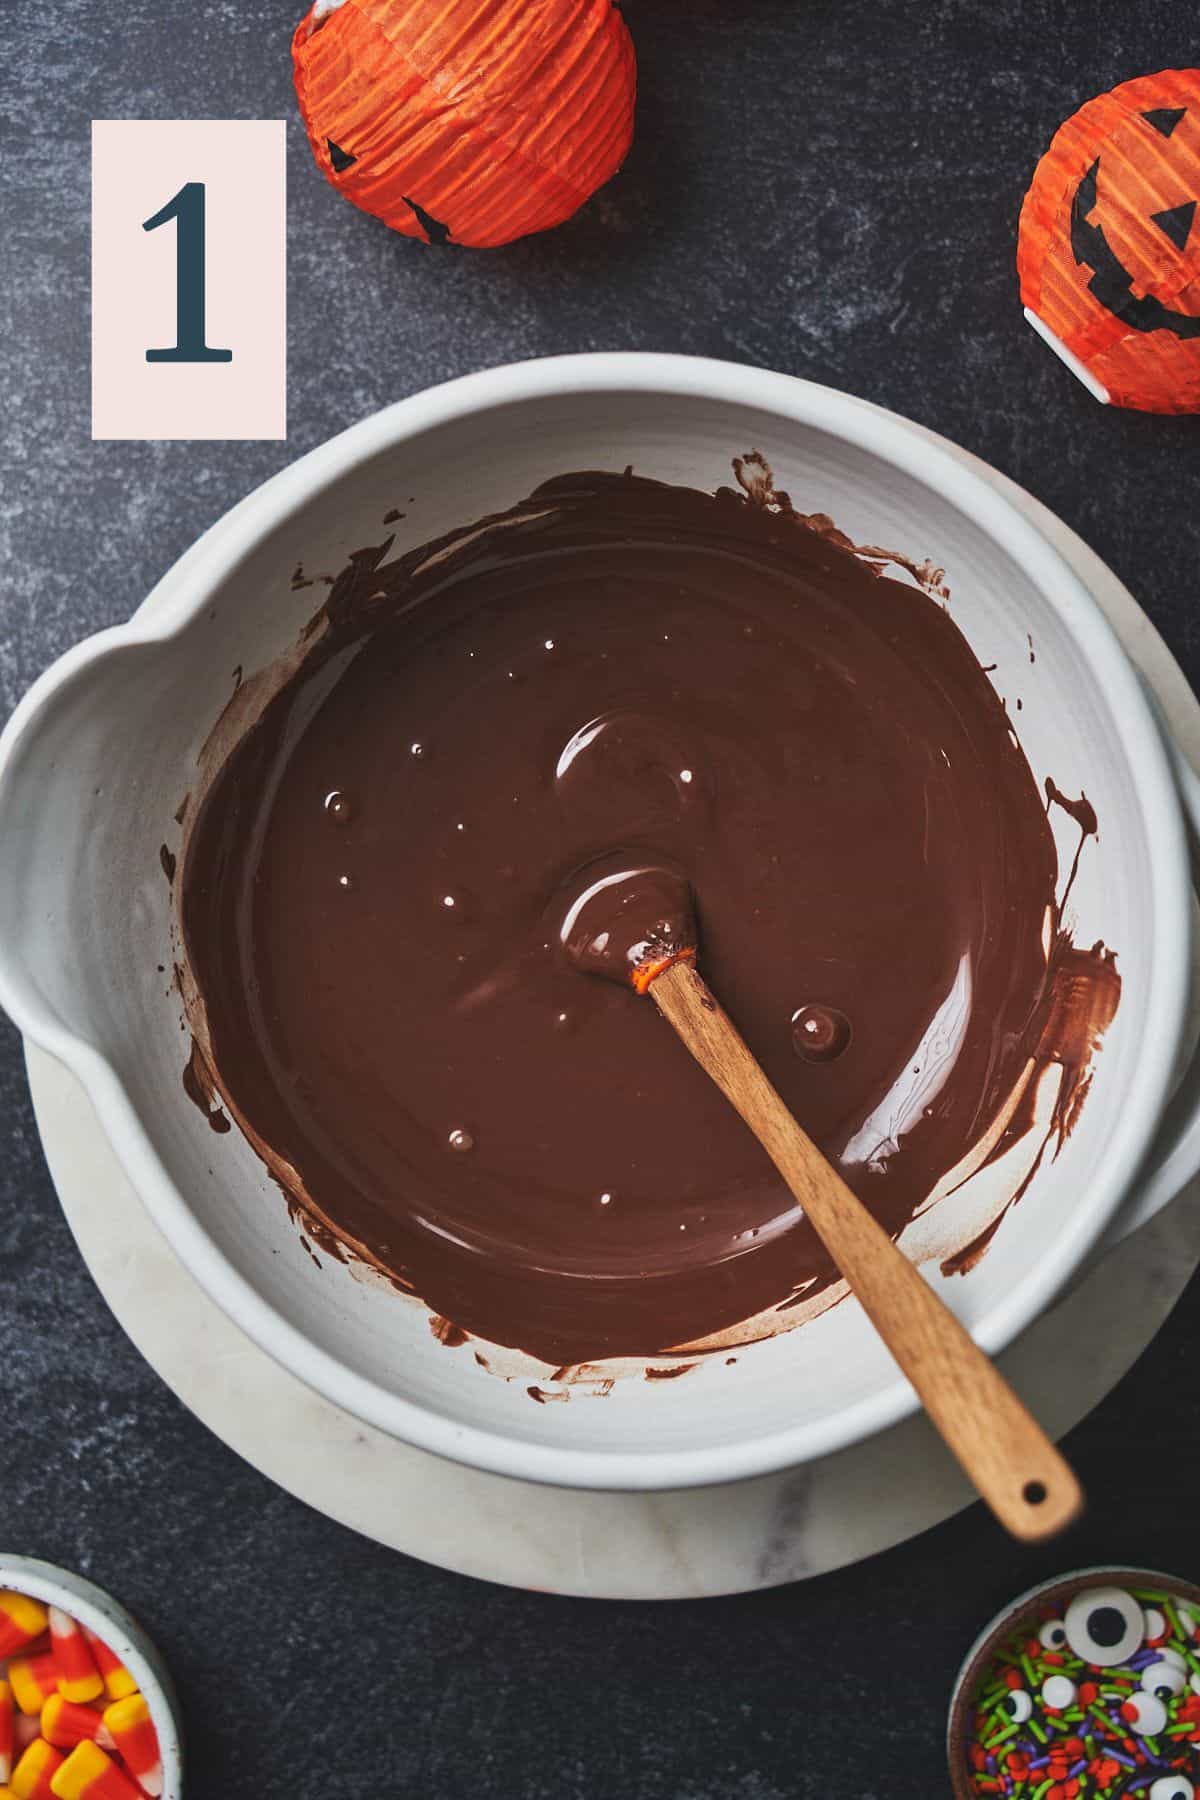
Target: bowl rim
185	589
93	1606
1000	1626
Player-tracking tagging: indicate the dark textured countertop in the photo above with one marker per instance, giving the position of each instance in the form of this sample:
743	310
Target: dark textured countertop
829	188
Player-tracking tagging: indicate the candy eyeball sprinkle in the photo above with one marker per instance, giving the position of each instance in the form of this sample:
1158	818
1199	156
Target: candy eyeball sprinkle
1153	1624
1058	1691
1164	1679
1053	1635
1018	1705
1187	1623
1104	1626
1168	1653
1172	1787
1145	1713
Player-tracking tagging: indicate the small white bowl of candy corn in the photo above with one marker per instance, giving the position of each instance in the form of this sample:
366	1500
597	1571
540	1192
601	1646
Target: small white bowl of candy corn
87	1709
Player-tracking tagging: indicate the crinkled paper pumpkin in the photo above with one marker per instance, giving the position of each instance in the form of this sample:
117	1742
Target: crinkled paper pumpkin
1109	246
473	120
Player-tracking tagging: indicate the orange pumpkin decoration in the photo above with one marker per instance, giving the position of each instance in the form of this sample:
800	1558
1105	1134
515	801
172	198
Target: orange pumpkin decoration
475	121
1109	245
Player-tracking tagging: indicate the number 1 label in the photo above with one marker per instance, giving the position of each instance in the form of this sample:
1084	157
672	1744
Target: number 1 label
189	241
187	209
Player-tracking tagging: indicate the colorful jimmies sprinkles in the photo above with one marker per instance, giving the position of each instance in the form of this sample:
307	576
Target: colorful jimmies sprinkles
1093	1700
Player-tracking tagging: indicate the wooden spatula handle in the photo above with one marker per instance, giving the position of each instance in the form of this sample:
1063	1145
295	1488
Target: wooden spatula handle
1003	1449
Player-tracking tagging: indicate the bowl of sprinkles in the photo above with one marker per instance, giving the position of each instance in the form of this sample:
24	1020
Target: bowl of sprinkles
1086	1688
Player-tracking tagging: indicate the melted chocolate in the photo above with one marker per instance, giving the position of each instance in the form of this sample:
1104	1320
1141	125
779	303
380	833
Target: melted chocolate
200	1089
728	692
819	1033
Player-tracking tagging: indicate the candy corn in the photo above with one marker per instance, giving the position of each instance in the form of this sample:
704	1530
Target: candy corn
21	1621
6	1731
118	1682
64	1724
33	1679
78	1677
134	1735
88	1774
32	1777
97	1739
25	1728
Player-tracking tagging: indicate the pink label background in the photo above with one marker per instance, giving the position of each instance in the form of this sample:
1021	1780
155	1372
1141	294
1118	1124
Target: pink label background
137	166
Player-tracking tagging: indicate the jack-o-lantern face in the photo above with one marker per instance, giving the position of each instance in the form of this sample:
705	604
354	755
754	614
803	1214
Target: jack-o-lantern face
1109	253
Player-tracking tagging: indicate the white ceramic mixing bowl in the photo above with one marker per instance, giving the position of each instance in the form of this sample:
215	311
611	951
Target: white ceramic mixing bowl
98	756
